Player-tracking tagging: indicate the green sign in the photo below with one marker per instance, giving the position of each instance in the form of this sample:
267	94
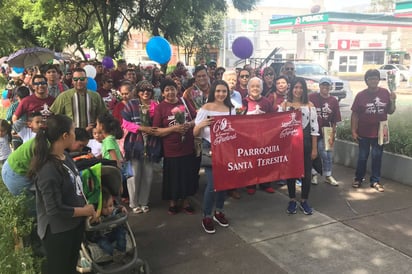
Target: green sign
300	20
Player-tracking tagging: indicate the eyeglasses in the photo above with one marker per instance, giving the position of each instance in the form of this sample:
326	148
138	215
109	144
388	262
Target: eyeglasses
269	74
79	79
372	79
39	83
244	76
291	69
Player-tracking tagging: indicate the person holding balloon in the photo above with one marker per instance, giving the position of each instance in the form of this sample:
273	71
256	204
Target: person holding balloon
80	103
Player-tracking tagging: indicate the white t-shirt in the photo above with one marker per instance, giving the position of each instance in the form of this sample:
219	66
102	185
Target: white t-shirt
5	148
96	147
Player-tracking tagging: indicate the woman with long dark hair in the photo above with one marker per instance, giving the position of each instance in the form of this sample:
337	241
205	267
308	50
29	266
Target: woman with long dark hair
297	99
60	202
218	104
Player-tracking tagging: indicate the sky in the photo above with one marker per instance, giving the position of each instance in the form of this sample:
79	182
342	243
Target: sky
330	5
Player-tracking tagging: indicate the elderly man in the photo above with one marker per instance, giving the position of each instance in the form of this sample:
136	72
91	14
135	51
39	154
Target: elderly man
78	103
288	70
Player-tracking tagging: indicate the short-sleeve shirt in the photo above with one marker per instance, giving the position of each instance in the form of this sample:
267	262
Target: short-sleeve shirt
110	143
172	143
31	104
371	108
260	106
327	109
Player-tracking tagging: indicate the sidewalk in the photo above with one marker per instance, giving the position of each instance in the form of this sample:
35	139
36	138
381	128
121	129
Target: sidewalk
351	231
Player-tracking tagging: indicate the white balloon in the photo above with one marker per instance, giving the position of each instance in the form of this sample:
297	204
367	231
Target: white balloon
90	71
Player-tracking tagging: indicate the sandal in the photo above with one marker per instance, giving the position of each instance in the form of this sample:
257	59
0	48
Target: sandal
378	187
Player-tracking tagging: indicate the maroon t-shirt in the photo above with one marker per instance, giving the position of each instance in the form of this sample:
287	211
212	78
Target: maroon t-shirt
242	91
263	105
31	104
327	109
172	143
371	107
117	77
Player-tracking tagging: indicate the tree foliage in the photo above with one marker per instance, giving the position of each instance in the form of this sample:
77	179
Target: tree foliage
105	24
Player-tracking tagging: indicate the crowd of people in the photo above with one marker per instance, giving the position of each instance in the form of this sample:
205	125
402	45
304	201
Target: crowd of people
141	117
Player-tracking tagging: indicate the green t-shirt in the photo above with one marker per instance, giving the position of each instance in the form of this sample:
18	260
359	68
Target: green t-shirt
110	143
19	160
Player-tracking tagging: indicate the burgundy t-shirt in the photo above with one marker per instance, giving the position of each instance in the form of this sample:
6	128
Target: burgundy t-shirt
242	91
172	143
260	106
31	104
327	109
371	107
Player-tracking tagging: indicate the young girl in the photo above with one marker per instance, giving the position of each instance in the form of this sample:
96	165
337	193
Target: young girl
60	203
298	100
5	140
111	130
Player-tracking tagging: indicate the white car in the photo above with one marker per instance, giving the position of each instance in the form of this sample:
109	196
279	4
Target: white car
401	71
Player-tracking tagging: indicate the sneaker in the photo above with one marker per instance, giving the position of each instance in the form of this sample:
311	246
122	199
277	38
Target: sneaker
137	210
220	218
314	180
251	191
304	206
298	182
269	190
292	206
83	265
145	209
330	180
189	210
208	226
173	210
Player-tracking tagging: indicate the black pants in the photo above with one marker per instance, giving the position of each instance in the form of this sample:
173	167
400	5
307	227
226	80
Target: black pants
307	161
62	250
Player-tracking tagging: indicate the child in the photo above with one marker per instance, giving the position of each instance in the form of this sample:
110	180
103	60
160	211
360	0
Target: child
95	144
28	130
111	130
5	139
117	234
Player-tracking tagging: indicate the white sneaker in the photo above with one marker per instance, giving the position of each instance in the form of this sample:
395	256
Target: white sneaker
330	180
83	265
314	180
137	210
145	209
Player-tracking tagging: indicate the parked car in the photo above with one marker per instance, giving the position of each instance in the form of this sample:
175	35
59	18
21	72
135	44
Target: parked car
313	72
401	71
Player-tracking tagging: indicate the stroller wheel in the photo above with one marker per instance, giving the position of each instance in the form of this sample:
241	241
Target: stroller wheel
141	268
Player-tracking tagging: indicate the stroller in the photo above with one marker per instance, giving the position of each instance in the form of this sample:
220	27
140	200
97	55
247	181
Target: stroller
110	178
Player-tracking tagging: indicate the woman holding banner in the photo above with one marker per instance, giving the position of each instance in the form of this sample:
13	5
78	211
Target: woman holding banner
297	99
255	103
218	104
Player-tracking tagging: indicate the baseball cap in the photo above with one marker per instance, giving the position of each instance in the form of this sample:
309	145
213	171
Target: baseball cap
325	80
212	63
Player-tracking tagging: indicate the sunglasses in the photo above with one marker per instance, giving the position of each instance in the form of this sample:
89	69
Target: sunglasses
79	79
244	76
109	81
268	74
39	83
291	69
146	90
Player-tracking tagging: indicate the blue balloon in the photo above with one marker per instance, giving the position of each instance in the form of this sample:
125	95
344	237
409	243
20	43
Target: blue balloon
159	50
4	94
91	84
18	70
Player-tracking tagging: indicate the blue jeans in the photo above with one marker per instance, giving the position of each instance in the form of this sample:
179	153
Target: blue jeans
118	235
365	145
14	182
210	195
326	157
